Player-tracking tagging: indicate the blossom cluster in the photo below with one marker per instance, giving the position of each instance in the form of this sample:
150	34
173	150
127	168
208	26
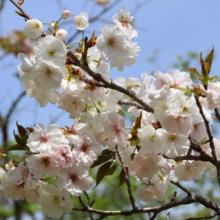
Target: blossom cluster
66	154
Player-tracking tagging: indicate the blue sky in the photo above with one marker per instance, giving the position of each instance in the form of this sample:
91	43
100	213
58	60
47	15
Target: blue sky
175	26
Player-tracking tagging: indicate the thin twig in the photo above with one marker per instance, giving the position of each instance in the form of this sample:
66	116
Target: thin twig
131	104
21	9
173	196
187	200
82	203
201	218
98	77
93	19
217	114
90	205
187	157
212	145
127	180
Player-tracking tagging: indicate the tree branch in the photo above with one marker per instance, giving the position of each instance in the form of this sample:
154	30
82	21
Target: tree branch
98	77
201	218
21	10
127	180
210	139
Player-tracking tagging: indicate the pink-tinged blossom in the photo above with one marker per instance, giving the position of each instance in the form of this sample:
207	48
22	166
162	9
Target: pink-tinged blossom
199	131
44	163
146	165
65	157
147	193
123	21
75	180
54	202
190	170
115	129
73	134
86	152
180	79
13	185
31	191
160	88
213	95
115	47
175	122
171	144
66	14
46	138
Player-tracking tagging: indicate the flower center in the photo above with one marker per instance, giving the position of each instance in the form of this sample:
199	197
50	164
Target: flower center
116	129
37	25
51	52
111	42
74	177
44	139
84	148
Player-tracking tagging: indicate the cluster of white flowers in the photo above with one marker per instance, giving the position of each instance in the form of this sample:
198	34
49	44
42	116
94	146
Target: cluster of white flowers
67	154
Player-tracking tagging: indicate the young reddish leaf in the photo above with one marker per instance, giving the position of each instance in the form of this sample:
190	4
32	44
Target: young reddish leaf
21	130
102	172
19	141
193	70
112	169
208	60
121	177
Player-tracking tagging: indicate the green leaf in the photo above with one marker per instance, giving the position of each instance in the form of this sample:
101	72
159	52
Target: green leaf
100	161
19	141
14	147
112	169
102	172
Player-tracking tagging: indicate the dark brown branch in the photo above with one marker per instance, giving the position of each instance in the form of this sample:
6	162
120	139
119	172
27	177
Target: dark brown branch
185	201
201	218
196	146
90	205
130	104
217	115
98	77
127	180
173	196
206	202
188	157
210	139
82	203
21	10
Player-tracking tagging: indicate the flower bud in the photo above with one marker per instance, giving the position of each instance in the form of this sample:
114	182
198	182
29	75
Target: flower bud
81	21
52	24
33	28
66	14
102	2
61	34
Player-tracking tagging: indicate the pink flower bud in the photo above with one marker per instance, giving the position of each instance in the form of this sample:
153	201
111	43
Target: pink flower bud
66	14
